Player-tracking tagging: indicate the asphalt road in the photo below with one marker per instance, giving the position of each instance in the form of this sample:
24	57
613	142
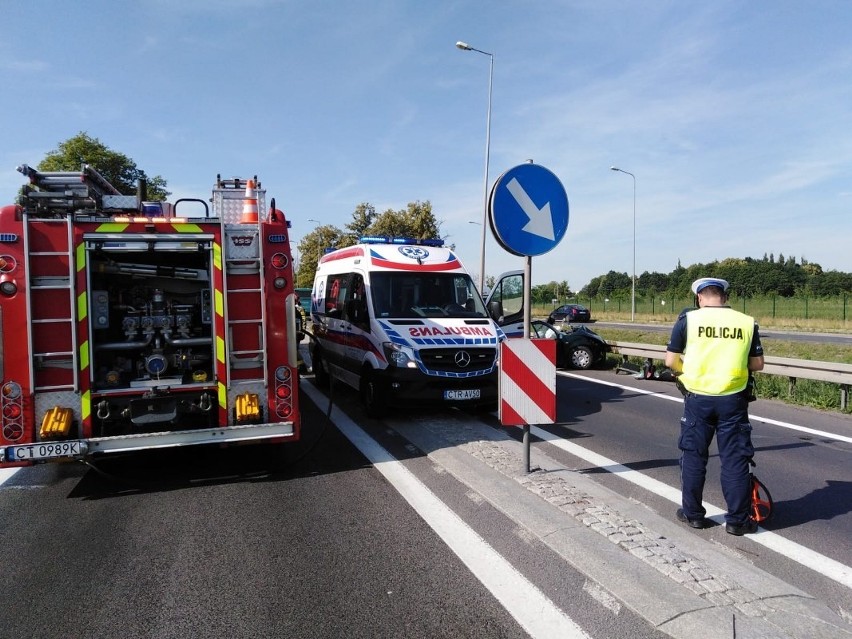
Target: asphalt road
227	543
808	473
243	542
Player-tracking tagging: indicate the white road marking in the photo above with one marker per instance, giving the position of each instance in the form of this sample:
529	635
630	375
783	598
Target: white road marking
531	608
758	418
7	473
825	566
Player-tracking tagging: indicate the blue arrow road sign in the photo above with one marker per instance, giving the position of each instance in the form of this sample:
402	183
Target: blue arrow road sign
528	210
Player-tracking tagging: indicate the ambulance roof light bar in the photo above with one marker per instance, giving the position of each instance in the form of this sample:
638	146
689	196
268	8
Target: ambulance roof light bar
384	239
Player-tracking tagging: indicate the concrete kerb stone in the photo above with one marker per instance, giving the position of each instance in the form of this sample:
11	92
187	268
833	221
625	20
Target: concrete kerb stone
715	591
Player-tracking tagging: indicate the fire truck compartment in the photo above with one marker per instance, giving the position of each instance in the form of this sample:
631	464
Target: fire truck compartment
152	341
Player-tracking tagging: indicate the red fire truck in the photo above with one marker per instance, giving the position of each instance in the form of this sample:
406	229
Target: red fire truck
128	325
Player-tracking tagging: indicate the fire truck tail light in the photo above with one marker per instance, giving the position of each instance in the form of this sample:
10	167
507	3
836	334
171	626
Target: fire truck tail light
11	390
8	286
283	392
248	407
279	282
279	260
12	411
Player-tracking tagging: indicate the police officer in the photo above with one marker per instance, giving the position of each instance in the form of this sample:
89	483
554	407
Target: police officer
714	349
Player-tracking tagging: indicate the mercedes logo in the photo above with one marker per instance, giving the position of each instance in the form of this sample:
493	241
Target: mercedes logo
462	359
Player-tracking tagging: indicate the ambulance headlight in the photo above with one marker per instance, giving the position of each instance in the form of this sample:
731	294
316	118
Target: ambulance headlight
399	356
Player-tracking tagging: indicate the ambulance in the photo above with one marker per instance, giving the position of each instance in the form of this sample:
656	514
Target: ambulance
401	322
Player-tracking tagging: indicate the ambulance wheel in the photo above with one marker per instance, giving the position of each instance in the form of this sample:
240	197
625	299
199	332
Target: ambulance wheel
375	404
320	374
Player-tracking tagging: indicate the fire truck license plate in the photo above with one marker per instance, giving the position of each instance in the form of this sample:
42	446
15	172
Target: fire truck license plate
468	393
44	450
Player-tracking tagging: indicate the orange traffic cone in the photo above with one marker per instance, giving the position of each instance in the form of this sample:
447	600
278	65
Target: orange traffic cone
249	205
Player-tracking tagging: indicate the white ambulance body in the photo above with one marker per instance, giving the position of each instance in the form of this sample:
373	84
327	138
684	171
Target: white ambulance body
401	321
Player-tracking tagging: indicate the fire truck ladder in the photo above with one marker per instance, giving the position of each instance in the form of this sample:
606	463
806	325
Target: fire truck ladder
248	271
51	287
58	192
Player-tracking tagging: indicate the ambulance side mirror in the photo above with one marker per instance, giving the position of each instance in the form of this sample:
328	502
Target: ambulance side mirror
495	310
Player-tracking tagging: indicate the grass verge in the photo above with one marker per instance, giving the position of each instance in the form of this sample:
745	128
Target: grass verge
806	392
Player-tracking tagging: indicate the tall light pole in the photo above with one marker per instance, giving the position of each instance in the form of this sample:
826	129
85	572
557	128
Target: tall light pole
481	280
464	46
633	289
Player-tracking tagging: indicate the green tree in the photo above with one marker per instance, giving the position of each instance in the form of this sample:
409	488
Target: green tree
591	289
544	293
313	246
118	169
748	277
362	219
615	284
417	220
652	283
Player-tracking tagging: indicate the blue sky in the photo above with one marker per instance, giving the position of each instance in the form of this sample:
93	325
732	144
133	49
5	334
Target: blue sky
735	117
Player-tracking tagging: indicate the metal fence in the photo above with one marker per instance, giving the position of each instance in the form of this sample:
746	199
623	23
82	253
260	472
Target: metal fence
804	308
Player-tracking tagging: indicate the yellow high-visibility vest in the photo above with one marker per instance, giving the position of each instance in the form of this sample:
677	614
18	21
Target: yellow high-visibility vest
718	341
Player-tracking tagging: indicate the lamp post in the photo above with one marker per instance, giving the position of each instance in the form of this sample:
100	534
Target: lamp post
633	289
482	259
464	46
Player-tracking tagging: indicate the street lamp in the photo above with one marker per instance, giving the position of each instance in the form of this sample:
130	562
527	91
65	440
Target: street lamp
464	46
481	280
633	289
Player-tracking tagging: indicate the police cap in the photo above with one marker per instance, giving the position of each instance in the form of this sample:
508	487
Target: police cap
702	283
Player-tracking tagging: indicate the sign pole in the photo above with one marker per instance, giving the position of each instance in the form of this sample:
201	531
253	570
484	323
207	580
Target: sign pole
529	215
527	324
527	295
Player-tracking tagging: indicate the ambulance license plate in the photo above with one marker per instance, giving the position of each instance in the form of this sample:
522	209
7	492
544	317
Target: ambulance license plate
467	393
44	450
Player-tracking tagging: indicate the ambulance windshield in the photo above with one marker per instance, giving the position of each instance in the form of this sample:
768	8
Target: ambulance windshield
425	295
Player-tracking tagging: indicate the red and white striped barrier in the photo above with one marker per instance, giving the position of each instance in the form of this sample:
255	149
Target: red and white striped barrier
527	382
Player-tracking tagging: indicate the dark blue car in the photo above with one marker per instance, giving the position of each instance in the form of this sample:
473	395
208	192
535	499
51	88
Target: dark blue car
569	313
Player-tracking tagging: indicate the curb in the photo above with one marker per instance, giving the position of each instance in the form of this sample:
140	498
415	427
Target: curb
683	586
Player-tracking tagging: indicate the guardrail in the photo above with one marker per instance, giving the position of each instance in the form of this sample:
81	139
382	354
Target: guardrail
792	369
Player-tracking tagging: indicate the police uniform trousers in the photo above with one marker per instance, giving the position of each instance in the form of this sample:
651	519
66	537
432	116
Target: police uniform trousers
726	417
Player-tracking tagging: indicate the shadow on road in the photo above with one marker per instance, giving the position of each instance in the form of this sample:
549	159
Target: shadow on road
832	500
321	450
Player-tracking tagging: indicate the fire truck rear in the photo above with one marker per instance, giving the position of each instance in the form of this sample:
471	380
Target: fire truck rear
128	325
